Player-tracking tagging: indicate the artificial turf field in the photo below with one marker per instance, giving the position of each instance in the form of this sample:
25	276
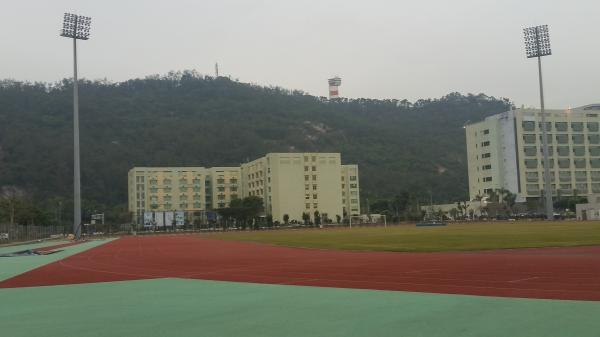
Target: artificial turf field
182	286
455	237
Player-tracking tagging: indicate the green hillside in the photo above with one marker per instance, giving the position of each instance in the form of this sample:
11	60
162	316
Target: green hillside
188	119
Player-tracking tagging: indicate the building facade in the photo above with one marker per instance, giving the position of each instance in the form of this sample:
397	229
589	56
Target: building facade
288	183
350	190
298	183
504	151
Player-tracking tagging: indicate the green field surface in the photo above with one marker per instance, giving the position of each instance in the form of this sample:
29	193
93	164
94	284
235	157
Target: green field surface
454	237
178	307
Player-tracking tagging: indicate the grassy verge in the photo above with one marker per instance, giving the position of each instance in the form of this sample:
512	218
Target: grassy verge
454	237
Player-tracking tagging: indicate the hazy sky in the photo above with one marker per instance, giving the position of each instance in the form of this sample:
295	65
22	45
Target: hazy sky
381	49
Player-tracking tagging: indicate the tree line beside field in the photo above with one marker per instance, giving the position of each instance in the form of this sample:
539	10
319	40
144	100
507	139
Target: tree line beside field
187	119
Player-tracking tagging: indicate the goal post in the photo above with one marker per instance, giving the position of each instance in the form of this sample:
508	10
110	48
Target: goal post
368	220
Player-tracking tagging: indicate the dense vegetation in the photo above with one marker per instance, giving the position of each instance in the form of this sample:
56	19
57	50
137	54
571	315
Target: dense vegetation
187	119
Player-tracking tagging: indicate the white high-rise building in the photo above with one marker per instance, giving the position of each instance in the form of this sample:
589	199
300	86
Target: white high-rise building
505	152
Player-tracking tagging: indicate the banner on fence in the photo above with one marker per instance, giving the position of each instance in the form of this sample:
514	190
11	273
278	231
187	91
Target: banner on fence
159	219
169	219
179	218
148	219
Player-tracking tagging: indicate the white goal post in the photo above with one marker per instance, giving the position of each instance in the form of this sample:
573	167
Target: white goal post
367	219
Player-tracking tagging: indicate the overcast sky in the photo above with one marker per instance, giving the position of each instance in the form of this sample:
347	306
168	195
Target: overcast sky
381	49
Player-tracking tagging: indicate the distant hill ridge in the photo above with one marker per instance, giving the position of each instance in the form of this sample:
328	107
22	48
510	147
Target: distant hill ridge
184	118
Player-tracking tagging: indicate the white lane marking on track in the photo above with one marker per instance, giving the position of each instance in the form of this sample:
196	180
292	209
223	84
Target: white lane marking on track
524	279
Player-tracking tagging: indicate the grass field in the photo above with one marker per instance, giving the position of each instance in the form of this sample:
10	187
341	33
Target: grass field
454	237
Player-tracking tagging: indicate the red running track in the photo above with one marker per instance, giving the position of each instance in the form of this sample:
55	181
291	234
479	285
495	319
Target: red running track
552	273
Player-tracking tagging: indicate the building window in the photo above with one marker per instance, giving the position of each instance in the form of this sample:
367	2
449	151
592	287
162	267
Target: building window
564	175
306	178
580	176
577	126
314	177
579	151
306	187
528	125
550	150
594	139
352	178
532	177
595	175
581	188
562	150
487	179
562	139
577	139
594	151
564	163
592	126
486	167
314	187
306	168
484	144
529	139
353	186
307	206
549	138
561	126
314	168
307	197
486	131
314	196
486	155
566	187
548	126
531	163
530	151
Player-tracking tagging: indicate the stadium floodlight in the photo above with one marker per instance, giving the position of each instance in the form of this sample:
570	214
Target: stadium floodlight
76	27
537	44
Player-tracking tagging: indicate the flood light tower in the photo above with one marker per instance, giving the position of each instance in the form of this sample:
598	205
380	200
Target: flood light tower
537	45
76	27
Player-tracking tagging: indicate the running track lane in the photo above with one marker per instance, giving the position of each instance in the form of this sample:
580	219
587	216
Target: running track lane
551	273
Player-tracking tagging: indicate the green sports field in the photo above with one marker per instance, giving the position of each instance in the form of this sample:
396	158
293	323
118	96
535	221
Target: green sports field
454	237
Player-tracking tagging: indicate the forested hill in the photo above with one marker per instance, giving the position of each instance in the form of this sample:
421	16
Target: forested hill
188	119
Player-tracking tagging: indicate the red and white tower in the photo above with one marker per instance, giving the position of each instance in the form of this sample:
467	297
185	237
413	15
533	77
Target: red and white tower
334	84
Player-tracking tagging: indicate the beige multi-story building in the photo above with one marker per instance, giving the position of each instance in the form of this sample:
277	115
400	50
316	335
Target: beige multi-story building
288	183
225	185
350	190
297	183
505	152
164	189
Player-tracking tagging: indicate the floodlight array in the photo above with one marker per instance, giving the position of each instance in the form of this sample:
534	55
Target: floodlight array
537	41
76	26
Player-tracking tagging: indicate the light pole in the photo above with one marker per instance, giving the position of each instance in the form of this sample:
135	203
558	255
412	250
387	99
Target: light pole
76	27
537	44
